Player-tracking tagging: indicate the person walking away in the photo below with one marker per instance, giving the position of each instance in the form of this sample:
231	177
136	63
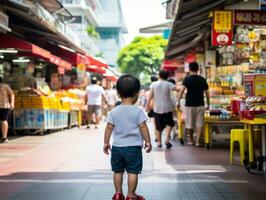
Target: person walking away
127	125
196	86
95	96
111	98
160	93
151	112
6	104
174	100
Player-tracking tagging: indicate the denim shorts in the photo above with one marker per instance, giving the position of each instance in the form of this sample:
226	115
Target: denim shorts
127	158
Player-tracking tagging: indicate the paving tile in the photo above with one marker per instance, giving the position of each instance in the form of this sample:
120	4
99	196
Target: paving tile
70	165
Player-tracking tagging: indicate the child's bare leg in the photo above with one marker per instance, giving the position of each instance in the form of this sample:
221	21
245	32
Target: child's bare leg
118	181
132	184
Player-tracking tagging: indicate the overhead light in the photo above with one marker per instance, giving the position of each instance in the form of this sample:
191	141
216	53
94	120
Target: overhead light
8	51
21	60
2	56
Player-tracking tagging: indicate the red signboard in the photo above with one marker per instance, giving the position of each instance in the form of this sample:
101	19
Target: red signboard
252	17
222	28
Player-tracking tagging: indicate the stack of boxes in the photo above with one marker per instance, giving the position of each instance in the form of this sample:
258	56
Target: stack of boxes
40	112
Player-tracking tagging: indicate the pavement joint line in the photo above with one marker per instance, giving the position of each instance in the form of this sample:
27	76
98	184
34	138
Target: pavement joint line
110	181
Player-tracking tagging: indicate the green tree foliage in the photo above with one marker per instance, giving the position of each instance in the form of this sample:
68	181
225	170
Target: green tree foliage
91	31
143	55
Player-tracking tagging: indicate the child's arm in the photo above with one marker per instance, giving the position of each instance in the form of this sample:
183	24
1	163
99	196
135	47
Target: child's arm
107	135
146	136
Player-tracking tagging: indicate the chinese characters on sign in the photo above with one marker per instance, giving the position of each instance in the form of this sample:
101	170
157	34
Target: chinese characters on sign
222	28
252	17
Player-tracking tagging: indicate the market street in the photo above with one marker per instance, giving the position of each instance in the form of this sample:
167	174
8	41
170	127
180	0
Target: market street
70	165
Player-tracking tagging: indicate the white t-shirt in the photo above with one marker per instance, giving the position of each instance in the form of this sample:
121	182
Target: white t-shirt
111	97
94	94
162	102
126	120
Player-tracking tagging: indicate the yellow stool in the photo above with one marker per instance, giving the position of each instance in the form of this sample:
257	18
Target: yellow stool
238	135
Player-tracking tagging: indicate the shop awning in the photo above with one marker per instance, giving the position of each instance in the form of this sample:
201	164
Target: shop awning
173	64
30	50
8	41
60	62
98	61
110	76
96	69
192	19
25	20
185	46
55	7
69	55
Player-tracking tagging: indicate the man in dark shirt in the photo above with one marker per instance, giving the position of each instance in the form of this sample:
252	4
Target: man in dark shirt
196	86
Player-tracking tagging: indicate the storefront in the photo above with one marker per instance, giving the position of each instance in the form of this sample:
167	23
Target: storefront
35	75
231	57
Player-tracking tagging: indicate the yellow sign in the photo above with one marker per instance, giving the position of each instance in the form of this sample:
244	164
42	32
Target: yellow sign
81	67
222	21
260	85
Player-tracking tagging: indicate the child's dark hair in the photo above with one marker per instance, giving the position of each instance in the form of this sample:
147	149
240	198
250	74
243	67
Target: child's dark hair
127	86
164	74
194	66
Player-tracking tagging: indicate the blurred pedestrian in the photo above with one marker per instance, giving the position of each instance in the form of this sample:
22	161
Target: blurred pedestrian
196	86
174	100
6	104
150	106
111	97
127	124
95	96
160	93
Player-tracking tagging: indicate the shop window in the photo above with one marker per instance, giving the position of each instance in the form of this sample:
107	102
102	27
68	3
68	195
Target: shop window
77	20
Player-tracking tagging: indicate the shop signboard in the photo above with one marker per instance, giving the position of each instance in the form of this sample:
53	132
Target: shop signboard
255	84
249	84
260	85
222	28
249	17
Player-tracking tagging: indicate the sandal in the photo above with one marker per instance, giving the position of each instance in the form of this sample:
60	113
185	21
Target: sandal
118	196
168	145
137	197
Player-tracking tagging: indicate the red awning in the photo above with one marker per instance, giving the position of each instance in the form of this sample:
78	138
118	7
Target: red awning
172	65
100	62
70	56
8	41
55	60
96	69
112	78
66	65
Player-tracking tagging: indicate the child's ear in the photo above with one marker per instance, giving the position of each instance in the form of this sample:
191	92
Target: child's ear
118	95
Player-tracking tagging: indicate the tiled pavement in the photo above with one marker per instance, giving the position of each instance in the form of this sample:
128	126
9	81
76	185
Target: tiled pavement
70	165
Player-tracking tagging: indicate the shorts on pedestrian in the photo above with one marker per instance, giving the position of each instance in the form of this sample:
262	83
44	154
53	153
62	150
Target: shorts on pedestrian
4	112
163	120
194	117
151	113
94	109
127	158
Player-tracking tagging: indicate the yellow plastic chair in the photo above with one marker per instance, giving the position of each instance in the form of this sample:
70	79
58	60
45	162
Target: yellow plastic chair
238	135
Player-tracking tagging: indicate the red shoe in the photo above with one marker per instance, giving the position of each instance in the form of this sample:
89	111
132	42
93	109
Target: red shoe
118	196
137	197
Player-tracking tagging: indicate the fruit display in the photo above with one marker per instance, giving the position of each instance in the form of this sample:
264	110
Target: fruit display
44	109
